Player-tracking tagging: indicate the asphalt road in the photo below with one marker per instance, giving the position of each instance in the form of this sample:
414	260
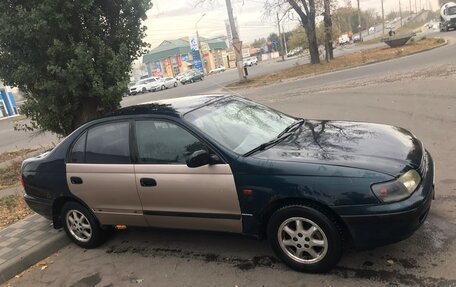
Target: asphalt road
416	92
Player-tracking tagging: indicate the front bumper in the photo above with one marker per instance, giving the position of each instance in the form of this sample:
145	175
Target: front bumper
376	225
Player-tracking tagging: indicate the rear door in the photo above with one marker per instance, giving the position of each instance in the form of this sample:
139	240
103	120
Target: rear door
100	172
174	195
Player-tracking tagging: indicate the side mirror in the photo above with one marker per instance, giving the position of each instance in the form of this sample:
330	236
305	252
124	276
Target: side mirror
200	158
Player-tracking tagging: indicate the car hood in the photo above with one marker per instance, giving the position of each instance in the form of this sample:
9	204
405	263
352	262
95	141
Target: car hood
381	148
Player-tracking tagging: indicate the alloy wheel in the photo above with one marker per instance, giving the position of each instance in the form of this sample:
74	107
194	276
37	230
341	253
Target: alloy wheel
78	225
302	240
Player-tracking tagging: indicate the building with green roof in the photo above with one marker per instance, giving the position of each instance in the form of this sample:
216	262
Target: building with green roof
172	57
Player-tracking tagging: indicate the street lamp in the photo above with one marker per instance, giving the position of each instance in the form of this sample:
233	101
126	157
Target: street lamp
197	39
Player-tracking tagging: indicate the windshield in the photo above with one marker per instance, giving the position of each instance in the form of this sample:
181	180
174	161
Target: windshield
239	125
451	10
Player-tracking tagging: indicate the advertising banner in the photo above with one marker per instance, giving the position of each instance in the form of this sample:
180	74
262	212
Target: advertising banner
196	54
179	60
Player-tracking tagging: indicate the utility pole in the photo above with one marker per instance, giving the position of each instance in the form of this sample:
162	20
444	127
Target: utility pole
237	44
400	11
280	37
359	23
383	20
284	39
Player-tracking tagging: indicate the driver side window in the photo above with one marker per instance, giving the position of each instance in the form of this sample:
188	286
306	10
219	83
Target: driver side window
162	142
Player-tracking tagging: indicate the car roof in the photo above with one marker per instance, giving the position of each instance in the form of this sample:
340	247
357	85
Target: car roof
171	107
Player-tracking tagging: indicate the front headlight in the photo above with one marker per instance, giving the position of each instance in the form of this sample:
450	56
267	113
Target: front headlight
398	189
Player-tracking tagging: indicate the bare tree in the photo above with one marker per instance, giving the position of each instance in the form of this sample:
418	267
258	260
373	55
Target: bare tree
306	11
328	30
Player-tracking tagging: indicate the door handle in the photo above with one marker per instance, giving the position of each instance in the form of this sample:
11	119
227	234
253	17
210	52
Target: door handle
76	180
147	182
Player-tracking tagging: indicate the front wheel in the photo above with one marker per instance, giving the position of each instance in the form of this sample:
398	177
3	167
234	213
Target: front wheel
304	238
81	226
175	84
163	87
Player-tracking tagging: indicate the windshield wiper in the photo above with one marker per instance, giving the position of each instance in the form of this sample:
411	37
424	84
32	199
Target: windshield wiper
265	145
297	124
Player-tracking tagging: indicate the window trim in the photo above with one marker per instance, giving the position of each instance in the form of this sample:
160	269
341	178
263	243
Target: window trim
198	137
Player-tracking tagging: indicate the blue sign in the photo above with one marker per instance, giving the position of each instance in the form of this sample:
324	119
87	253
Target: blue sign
197	61
157	64
274	43
196	54
7	102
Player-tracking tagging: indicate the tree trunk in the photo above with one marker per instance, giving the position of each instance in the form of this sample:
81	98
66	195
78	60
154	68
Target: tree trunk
312	35
88	112
328	30
313	45
308	22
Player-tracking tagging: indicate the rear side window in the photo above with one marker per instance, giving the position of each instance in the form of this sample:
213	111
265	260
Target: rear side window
108	144
78	153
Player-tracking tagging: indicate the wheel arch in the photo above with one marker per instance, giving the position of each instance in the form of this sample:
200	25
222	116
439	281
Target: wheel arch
283	202
57	206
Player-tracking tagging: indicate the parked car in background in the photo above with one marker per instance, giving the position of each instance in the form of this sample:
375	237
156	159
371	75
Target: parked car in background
217	70
129	85
356	38
344	39
228	164
250	61
191	77
169	82
179	76
155	84
144	85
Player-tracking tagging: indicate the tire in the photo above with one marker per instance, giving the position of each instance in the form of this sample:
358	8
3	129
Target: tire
75	210
175	84
294	247
192	81
144	90
163	87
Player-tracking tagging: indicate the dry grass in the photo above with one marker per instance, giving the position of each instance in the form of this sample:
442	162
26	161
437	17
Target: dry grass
13	208
343	62
16	154
9	176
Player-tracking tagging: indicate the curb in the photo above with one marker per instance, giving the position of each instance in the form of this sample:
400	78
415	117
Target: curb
33	255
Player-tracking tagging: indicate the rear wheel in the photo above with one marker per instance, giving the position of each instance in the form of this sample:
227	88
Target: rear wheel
304	238
175	84
163	87
81	226
144	90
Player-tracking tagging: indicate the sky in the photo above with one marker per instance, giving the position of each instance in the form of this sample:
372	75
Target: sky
172	19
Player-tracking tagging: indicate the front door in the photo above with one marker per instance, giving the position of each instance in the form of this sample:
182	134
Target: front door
176	196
